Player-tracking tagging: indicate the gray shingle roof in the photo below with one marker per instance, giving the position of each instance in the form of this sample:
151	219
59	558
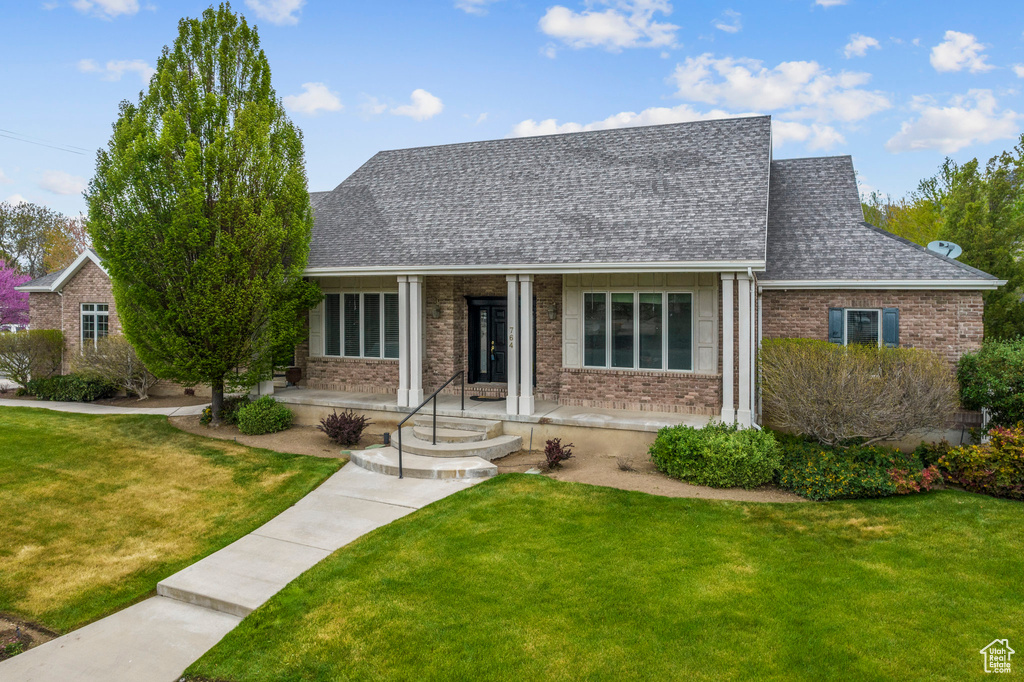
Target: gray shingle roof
681	192
44	281
816	231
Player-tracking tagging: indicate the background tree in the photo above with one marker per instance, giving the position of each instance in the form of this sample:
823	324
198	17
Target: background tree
915	218
13	304
23	232
200	212
64	241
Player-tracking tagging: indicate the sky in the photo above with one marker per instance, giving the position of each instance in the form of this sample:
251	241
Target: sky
898	85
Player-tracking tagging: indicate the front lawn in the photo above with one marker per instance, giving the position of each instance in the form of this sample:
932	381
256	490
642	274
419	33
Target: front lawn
96	510
522	577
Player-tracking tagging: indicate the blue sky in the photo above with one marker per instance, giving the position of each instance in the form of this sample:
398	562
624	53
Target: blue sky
899	85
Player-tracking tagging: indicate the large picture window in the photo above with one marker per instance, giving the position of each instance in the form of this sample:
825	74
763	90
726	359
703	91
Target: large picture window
95	323
361	325
638	330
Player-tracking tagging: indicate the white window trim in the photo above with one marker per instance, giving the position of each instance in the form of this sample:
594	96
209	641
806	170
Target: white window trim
664	292
341	293
846	322
82	312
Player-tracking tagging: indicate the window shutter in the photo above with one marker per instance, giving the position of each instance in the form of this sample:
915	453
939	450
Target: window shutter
891	327
836	319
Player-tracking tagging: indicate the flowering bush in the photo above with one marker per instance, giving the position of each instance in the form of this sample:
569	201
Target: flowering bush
995	468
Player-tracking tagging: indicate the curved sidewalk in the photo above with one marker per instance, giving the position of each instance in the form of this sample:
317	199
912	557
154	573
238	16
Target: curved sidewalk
92	408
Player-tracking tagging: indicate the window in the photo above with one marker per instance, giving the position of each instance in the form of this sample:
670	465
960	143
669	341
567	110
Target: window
864	326
361	325
633	330
95	323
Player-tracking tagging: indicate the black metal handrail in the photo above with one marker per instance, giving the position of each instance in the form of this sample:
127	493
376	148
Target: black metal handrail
433	396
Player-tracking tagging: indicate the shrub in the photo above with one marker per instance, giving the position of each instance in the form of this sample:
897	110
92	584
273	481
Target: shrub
70	388
345	428
114	361
556	453
995	468
264	415
931	453
838	393
908	481
228	410
993	379
718	455
822	472
32	353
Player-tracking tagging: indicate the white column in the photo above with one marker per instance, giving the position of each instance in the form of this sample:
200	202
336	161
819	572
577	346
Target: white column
526	344
403	341
745	340
415	340
512	349
728	404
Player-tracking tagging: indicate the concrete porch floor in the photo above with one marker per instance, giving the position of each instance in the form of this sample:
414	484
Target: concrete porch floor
545	411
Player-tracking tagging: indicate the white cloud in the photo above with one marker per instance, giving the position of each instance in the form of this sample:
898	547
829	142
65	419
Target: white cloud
371	106
728	22
481	118
959	51
802	89
815	136
859	45
280	12
477	7
830	3
60	182
423	106
1019	70
626	23
968	119
106	9
113	70
314	98
4	180
549	51
16	199
49	6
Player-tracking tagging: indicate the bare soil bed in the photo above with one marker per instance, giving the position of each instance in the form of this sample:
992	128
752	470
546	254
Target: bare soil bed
298	440
605	470
14	631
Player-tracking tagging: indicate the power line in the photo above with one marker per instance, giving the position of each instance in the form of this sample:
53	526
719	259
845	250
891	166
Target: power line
19	137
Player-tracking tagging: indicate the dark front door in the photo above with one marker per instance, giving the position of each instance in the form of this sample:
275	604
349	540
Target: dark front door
488	335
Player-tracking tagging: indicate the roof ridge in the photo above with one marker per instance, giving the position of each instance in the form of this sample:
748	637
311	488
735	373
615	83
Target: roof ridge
814	158
917	246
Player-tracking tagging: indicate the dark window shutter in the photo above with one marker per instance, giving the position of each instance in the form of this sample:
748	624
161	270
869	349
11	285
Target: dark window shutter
891	327
835	325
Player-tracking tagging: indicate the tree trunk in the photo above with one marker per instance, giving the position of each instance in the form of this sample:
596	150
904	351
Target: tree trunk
217	401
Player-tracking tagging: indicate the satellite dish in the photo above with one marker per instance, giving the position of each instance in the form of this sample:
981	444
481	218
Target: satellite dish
947	249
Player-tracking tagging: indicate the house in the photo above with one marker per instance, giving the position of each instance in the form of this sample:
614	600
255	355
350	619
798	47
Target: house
630	269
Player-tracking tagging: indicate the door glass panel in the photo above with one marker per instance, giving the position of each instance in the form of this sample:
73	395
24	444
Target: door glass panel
650	331
352	325
680	331
332	324
371	325
622	330
862	327
594	330
485	350
391	325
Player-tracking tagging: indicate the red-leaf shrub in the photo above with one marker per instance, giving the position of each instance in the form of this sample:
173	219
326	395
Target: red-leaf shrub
557	453
345	428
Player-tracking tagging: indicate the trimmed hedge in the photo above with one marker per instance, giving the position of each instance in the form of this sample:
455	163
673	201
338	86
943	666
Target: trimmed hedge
70	388
265	415
717	455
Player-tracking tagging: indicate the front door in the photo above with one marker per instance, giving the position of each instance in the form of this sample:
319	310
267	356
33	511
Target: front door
488	336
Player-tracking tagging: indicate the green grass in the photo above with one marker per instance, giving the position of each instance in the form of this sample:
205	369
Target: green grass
522	577
96	510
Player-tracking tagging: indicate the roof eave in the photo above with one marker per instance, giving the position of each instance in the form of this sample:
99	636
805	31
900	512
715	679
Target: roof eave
540	268
947	284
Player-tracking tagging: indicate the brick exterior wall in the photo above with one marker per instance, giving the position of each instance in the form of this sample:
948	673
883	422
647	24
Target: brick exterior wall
89	285
355	375
44	310
947	322
642	390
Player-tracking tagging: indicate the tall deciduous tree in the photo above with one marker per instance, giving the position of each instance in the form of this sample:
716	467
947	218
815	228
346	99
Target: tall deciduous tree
65	240
13	304
200	213
23	233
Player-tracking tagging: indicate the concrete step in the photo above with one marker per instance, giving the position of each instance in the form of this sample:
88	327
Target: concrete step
490	427
489	449
385	461
448	435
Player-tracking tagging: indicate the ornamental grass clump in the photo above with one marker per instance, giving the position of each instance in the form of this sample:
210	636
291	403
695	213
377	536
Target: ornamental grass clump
717	455
836	394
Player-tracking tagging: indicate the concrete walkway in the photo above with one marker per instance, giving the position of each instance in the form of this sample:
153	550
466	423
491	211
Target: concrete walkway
92	408
155	640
